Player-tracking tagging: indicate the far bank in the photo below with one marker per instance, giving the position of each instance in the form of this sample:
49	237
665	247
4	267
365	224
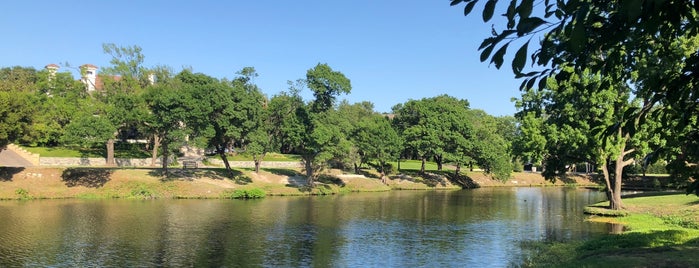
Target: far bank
84	182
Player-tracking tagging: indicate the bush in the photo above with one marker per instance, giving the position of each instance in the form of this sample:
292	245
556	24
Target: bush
254	193
23	194
517	165
142	191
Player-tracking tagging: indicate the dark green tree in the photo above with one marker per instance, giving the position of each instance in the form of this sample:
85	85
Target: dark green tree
377	140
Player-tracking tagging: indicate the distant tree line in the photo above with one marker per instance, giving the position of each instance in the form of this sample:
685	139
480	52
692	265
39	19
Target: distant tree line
168	109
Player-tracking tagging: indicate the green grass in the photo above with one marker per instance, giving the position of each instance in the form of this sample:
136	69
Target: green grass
415	165
272	157
660	230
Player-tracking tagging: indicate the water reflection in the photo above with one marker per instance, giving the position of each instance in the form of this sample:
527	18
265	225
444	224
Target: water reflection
479	227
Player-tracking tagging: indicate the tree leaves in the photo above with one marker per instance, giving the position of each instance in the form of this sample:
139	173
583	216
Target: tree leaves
520	59
498	57
527	25
488	10
469	7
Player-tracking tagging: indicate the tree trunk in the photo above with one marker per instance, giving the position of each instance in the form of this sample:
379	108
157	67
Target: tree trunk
166	154
110	152
383	173
154	153
308	165
422	166
610	188
399	164
257	165
356	168
438	159
222	152
457	171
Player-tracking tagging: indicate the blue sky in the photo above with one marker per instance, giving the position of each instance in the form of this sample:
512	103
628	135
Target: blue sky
391	50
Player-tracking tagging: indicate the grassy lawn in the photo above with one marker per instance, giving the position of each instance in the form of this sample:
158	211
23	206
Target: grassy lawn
120	151
415	165
660	230
269	157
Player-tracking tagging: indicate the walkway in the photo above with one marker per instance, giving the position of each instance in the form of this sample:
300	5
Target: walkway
8	158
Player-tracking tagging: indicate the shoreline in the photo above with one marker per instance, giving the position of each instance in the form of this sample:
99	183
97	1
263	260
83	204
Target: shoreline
211	183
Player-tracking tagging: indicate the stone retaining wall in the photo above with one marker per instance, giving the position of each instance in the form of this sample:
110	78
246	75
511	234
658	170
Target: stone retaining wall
75	161
145	162
250	164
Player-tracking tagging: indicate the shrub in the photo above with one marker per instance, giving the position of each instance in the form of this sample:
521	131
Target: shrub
517	165
253	193
23	194
142	191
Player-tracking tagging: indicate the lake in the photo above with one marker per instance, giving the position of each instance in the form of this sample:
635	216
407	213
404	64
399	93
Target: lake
467	228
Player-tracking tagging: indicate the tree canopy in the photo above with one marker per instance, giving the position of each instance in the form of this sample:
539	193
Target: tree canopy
646	49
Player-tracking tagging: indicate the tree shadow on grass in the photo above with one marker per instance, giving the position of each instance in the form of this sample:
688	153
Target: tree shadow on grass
367	173
191	174
329	179
282	171
431	179
174	174
87	177
567	179
6	173
464	181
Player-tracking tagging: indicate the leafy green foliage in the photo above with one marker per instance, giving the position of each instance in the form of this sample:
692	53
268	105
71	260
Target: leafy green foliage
16	116
254	193
378	141
88	131
326	84
650	45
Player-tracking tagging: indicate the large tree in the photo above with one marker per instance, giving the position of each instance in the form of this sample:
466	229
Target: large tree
124	83
16	115
616	40
377	140
170	105
320	136
431	126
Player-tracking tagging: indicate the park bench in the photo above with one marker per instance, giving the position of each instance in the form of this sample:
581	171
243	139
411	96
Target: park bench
189	164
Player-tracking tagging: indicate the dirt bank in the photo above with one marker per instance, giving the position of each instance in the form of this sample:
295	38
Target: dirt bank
52	182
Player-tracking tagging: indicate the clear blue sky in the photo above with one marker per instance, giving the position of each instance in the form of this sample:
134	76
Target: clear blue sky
391	50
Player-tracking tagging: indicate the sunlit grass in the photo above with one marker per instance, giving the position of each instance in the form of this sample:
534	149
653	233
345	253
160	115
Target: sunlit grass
415	165
272	157
660	230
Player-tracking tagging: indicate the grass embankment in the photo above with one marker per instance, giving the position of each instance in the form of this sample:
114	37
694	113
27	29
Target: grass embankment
93	183
660	230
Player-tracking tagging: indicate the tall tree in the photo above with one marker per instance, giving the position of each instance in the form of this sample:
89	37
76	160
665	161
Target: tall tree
124	83
170	106
320	136
430	125
377	140
16	115
489	147
350	117
615	39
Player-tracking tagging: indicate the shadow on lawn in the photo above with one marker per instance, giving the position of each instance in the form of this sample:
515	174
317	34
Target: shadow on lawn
431	178
6	173
174	174
87	177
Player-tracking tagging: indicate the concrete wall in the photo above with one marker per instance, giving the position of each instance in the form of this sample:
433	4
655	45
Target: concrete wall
250	164
145	162
75	161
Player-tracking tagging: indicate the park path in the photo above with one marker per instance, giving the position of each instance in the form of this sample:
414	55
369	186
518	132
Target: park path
9	158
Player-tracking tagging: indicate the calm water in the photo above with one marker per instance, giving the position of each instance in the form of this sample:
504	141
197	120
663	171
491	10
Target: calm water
470	228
